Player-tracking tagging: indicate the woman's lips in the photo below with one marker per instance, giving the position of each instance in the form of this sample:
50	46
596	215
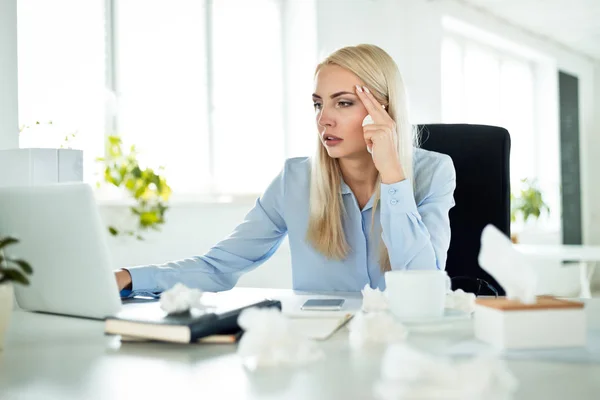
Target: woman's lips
331	140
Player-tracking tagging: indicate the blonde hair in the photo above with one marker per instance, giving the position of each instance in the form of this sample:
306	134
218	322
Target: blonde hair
380	74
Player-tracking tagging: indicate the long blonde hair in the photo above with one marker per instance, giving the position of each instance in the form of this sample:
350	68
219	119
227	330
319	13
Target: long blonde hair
380	74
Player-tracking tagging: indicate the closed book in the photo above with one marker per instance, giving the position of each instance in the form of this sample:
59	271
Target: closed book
155	324
212	339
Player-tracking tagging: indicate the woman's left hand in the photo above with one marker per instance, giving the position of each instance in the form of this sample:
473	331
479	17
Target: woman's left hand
381	138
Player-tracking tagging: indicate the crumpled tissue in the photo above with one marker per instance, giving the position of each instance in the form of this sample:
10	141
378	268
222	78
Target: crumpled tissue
268	340
460	300
409	373
509	267
374	324
180	298
373	300
375	327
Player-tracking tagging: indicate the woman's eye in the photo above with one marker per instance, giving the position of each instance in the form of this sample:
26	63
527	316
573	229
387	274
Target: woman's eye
344	103
317	106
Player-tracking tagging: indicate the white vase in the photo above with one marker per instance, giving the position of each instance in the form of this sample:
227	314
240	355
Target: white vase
6	307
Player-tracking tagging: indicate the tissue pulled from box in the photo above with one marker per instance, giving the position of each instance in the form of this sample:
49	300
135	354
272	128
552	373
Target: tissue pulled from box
460	300
374	300
409	373
511	269
269	341
375	327
180	298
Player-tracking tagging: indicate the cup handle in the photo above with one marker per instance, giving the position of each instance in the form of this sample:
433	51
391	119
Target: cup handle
448	283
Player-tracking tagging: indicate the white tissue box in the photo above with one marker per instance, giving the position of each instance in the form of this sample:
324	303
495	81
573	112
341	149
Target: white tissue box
549	323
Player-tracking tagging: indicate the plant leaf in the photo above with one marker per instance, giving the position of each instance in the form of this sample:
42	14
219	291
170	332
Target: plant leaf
23	264
7	241
148	219
14	275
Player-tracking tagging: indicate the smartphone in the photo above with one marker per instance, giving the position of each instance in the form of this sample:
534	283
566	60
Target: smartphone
323	304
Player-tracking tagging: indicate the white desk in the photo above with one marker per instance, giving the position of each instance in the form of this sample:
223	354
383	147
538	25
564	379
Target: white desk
587	257
50	357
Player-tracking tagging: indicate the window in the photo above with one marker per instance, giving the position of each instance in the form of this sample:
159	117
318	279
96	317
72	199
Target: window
481	85
200	90
247	94
61	75
203	88
161	87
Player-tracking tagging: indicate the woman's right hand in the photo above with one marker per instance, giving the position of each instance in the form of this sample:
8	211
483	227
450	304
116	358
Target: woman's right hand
123	279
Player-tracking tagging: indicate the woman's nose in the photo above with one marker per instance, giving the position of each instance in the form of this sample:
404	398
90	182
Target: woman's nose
325	119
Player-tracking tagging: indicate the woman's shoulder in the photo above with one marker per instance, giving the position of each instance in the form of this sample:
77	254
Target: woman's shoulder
431	169
426	162
297	170
297	165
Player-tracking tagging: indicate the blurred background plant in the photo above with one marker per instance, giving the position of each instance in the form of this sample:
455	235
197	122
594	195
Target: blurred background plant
148	189
46	134
527	202
12	269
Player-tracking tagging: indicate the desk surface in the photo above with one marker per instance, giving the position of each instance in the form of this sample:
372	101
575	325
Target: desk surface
52	357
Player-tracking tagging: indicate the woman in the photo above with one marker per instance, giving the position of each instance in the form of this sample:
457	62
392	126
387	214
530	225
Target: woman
338	206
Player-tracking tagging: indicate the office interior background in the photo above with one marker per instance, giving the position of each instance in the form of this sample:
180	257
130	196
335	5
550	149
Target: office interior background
218	92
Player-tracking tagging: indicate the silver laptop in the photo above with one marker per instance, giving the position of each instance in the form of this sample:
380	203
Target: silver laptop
63	238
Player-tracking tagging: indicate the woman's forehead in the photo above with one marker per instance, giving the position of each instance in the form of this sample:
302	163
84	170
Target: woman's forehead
334	78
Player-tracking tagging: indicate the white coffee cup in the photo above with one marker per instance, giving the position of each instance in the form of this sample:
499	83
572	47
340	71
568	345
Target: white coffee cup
417	293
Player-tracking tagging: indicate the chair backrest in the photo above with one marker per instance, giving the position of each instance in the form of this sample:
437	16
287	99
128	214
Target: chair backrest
481	156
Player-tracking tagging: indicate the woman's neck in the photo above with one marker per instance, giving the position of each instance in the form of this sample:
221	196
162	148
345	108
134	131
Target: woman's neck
360	175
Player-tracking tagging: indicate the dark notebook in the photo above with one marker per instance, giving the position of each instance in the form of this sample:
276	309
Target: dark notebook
188	327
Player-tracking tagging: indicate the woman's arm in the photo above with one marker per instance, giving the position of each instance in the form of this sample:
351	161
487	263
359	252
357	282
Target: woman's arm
417	236
248	246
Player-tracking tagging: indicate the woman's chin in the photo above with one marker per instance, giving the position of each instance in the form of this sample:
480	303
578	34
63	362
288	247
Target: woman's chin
335	153
343	152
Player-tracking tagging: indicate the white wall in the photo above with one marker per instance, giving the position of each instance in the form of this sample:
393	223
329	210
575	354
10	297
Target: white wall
411	31
593	166
553	277
9	114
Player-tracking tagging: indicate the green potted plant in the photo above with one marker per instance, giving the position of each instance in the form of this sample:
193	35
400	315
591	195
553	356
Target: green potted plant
12	271
528	203
149	189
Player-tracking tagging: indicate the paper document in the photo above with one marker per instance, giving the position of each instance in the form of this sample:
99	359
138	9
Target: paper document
318	328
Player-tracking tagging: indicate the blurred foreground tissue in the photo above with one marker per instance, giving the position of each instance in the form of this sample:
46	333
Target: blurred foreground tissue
407	373
374	324
268	340
375	327
180	298
509	267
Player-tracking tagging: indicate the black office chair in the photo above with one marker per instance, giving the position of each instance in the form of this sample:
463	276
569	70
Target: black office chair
481	157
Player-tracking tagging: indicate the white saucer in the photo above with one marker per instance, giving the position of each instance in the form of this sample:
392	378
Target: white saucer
450	315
